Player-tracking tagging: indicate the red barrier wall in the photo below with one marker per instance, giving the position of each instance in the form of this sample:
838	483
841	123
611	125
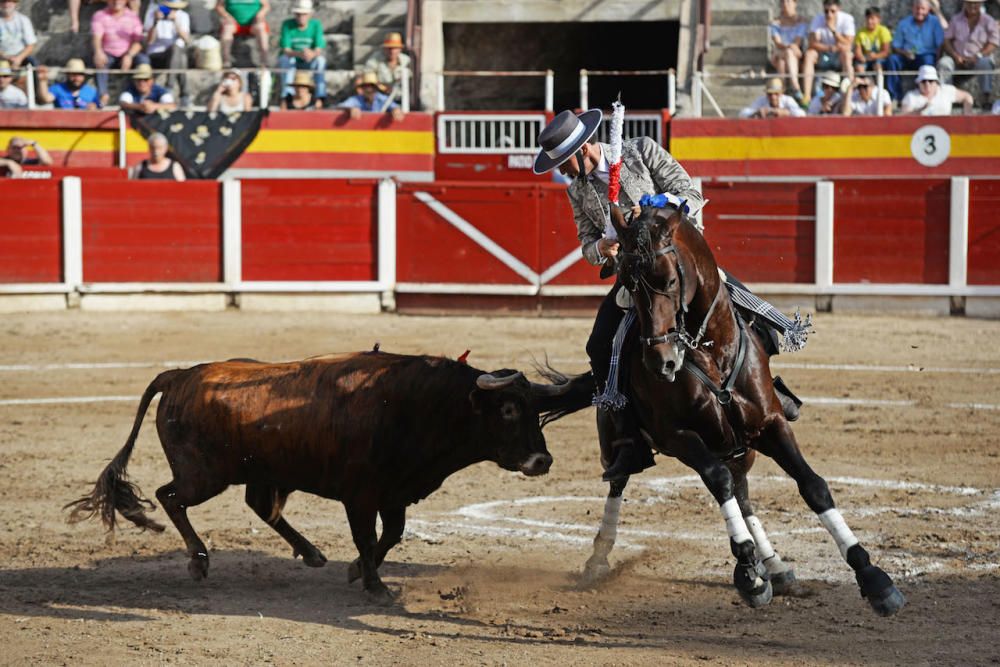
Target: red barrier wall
533	223
30	232
148	231
891	231
310	230
763	232
984	232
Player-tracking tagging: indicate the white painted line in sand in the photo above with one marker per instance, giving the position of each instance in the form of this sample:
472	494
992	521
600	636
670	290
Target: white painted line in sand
61	400
98	365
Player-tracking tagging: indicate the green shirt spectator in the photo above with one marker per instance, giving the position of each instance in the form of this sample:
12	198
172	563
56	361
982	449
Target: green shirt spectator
298	39
243	11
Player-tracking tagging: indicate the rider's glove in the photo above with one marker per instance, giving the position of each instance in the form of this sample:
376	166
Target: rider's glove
663	200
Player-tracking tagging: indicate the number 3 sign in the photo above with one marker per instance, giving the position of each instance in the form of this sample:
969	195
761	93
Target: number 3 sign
930	145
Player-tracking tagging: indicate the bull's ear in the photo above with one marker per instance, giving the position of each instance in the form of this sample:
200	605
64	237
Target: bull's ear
476	397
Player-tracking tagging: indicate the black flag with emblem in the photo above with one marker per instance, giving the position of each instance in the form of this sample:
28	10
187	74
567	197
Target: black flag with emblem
204	143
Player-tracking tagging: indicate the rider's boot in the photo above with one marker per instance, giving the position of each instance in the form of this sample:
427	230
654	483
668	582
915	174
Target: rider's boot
790	403
623	451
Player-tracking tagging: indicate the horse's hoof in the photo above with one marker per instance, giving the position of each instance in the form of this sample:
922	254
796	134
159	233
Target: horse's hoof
784	583
380	594
314	558
888	602
198	567
354	571
758	597
595	571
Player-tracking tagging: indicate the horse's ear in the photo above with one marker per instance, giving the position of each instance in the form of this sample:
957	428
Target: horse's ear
618	218
668	220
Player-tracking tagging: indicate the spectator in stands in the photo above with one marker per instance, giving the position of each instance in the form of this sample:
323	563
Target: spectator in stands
915	43
72	93
831	35
230	97
829	101
74	12
144	96
18	149
302	97
996	108
302	45
168	34
371	97
389	65
788	37
11	97
862	100
773	103
158	166
931	98
242	18
17	36
970	41
117	39
873	43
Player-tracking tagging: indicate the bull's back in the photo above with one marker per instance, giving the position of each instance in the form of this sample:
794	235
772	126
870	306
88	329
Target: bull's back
311	425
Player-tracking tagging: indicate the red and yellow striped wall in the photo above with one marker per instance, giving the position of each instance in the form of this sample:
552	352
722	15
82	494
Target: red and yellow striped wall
832	146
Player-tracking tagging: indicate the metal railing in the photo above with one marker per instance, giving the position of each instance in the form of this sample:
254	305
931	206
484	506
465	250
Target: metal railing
478	133
671	89
636	125
548	74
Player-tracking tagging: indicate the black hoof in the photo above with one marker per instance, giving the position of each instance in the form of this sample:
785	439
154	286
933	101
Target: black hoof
380	595
760	597
784	583
753	584
313	559
354	571
888	602
198	567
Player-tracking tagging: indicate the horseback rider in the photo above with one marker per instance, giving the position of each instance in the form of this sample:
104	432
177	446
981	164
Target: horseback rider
646	169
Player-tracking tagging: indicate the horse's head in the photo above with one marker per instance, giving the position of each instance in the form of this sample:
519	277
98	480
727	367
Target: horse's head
653	268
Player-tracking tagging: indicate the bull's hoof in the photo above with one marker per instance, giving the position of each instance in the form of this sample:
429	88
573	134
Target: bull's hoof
784	583
380	594
314	558
198	567
354	571
882	594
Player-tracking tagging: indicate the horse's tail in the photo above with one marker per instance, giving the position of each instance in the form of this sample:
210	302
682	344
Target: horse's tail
113	492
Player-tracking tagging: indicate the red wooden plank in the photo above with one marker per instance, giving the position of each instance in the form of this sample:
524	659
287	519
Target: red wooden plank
984	232
310	230
896	234
152	232
557	238
30	232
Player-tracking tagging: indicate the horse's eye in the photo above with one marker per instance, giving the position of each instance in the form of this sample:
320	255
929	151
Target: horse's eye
672	282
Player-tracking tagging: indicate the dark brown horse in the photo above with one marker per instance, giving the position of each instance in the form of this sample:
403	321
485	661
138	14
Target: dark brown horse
702	389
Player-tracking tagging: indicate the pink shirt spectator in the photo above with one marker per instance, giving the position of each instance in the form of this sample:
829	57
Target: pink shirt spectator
970	44
116	32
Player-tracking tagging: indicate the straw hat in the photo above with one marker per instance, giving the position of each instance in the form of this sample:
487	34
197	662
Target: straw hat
5	68
302	7
830	79
75	66
174	4
143	71
393	41
774	85
304	79
927	73
370	79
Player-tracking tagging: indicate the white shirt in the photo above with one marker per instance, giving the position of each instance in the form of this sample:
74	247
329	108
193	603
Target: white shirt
167	32
761	102
13	97
844	24
816	108
939	105
16	34
870	108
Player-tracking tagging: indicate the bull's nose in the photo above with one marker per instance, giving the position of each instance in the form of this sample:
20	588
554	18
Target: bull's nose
537	464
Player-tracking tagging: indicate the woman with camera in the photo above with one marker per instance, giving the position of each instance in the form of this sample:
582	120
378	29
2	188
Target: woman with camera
229	96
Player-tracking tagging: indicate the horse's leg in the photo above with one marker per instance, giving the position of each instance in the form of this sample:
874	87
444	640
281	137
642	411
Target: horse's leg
750	576
779	443
782	576
597	565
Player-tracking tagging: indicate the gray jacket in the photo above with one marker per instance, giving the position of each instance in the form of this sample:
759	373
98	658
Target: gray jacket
646	169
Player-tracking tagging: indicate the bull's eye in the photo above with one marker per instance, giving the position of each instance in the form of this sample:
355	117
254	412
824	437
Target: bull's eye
510	411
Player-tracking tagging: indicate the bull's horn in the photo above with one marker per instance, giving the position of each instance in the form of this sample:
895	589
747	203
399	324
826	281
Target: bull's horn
490	381
545	390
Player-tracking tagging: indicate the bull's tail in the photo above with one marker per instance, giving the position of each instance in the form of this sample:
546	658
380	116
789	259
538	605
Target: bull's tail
113	492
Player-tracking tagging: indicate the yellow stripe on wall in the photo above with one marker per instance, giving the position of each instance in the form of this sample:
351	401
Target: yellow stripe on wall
845	146
343	141
66	140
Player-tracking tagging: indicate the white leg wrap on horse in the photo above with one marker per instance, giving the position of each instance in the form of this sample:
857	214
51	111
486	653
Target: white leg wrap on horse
834	522
735	524
609	525
772	561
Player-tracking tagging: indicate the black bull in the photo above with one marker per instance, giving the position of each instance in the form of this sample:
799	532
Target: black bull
376	431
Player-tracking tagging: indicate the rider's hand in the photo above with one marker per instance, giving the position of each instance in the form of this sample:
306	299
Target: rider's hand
608	247
636	210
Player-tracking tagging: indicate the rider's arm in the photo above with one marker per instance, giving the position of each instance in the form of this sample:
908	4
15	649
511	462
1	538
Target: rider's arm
588	234
668	175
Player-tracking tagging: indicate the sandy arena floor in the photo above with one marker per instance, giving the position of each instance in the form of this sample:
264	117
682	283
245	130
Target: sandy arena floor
908	435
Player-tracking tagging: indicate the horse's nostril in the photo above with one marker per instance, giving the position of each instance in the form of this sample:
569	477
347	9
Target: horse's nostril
670	365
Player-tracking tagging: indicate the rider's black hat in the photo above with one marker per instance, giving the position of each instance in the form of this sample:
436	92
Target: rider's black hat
563	137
